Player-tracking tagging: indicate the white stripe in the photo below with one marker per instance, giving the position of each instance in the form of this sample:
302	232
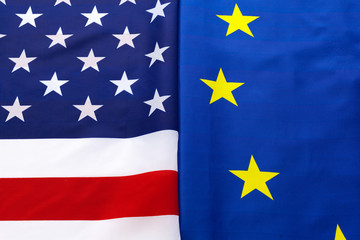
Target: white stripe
136	228
88	157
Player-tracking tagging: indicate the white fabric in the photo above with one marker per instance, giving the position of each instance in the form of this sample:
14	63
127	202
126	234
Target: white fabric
88	157
136	228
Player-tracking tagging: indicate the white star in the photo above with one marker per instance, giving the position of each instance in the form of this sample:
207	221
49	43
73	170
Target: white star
22	61
158	10
59	38
2	35
54	85
124	84
157	54
157	102
88	109
94	17
126	38
65	1
3	1
124	1
91	61
16	110
28	17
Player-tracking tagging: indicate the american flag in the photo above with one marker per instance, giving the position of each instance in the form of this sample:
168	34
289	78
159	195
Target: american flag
88	119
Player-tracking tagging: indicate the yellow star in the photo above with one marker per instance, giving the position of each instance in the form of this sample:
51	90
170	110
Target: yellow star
254	179
237	21
221	88
339	235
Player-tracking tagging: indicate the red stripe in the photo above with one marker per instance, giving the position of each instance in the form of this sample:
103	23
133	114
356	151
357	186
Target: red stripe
95	198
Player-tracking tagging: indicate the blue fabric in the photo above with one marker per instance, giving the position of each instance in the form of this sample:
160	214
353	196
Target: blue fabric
54	116
298	114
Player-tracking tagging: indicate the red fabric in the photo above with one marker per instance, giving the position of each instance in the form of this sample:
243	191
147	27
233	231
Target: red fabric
89	198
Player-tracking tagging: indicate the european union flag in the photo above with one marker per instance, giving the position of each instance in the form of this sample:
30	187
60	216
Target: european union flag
270	119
